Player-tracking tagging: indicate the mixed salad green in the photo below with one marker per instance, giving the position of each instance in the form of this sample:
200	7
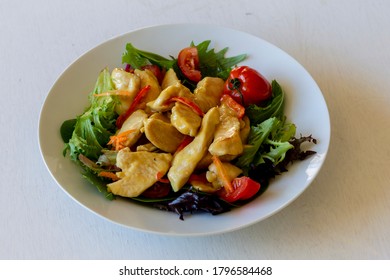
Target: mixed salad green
270	146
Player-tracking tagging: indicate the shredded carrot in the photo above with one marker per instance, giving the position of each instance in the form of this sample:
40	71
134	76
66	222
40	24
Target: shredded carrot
109	175
160	178
188	102
118	140
221	172
113	92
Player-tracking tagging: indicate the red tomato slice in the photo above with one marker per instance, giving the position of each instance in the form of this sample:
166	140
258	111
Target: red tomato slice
247	86
243	188
188	61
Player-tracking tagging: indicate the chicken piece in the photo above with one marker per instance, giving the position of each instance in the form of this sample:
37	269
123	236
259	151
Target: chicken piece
148	147
140	170
203	185
124	80
227	140
206	160
148	78
186	160
130	82
185	119
162	134
162	104
170	79
231	170
208	92
160	116
132	127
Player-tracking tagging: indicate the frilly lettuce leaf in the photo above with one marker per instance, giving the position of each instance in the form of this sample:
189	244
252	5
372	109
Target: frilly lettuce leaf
94	127
267	140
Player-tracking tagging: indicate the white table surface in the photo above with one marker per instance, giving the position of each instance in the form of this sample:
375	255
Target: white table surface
344	214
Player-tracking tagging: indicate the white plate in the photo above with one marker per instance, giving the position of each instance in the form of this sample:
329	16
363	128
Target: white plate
305	106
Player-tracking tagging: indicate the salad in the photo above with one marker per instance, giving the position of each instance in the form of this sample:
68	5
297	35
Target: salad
189	133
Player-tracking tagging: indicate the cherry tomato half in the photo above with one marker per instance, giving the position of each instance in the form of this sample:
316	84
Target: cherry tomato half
243	188
188	61
247	86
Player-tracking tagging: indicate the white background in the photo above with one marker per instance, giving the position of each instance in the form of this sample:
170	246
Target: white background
344	214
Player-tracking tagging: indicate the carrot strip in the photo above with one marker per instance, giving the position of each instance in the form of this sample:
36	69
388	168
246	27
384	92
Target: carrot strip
118	140
227	184
109	175
113	92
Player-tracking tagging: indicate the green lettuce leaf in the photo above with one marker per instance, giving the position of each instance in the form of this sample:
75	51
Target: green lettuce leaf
211	63
215	64
258	134
94	127
275	108
138	58
267	140
99	183
278	143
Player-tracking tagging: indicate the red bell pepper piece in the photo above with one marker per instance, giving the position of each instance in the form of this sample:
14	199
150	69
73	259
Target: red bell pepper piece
140	95
188	102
